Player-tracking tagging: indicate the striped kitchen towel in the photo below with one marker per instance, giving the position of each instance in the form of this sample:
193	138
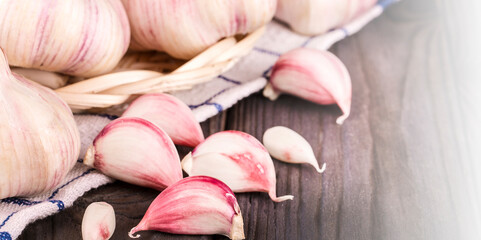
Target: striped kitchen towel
206	100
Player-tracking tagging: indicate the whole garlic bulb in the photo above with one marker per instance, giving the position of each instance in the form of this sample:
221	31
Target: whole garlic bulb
185	28
39	140
312	17
75	37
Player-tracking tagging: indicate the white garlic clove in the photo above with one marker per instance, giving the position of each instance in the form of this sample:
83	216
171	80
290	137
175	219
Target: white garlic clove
48	79
98	222
313	17
81	38
288	146
39	138
170	114
194	205
183	29
136	151
314	75
236	158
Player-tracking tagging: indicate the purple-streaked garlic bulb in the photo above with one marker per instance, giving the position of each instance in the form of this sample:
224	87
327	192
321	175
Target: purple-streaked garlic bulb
75	37
194	205
39	140
185	28
312	17
314	75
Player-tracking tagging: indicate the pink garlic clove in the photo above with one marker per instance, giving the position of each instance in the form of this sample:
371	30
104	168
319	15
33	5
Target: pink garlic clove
194	205
170	114
236	158
136	151
314	75
98	222
288	146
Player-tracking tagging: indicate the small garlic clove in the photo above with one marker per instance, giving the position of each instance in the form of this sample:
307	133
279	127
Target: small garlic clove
314	75
136	151
98	222
313	17
156	25
194	205
288	146
236	158
39	139
170	114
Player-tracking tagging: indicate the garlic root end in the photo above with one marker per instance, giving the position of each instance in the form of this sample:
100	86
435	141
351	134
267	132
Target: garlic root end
237	229
89	157
187	163
270	92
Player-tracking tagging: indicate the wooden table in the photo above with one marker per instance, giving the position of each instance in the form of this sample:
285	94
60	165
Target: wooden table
393	169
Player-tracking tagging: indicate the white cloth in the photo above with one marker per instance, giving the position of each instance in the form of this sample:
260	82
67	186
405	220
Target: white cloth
206	100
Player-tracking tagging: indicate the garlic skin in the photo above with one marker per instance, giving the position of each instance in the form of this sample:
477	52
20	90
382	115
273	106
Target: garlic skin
185	28
236	158
314	17
39	139
170	114
76	37
314	75
98	222
194	205
288	146
136	151
48	79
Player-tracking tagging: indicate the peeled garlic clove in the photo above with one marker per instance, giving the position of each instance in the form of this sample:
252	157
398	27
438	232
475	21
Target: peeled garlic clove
288	146
39	140
98	222
194	205
237	159
313	17
314	75
81	38
183	29
170	114
136	151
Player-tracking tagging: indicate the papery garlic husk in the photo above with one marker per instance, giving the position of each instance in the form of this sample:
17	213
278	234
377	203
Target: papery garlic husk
194	205
236	158
98	222
47	79
313	17
184	29
288	146
39	140
314	75
76	37
170	114
136	151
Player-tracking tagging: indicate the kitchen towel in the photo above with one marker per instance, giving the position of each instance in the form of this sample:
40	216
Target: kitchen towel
206	100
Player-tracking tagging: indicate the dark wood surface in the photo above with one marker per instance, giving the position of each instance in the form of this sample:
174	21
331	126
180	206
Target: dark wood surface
401	167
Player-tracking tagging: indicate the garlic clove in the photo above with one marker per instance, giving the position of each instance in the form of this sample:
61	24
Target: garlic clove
136	151
40	142
194	205
170	114
288	146
80	38
237	159
157	25
98	222
314	75
313	17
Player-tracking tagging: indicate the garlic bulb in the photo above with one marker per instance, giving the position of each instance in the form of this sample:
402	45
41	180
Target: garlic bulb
76	37
185	28
39	140
194	205
312	17
314	75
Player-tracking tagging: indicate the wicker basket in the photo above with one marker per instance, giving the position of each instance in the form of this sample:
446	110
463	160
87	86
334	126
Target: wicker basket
141	73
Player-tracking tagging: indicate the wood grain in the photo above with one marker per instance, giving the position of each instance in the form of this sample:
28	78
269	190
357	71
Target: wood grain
403	166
